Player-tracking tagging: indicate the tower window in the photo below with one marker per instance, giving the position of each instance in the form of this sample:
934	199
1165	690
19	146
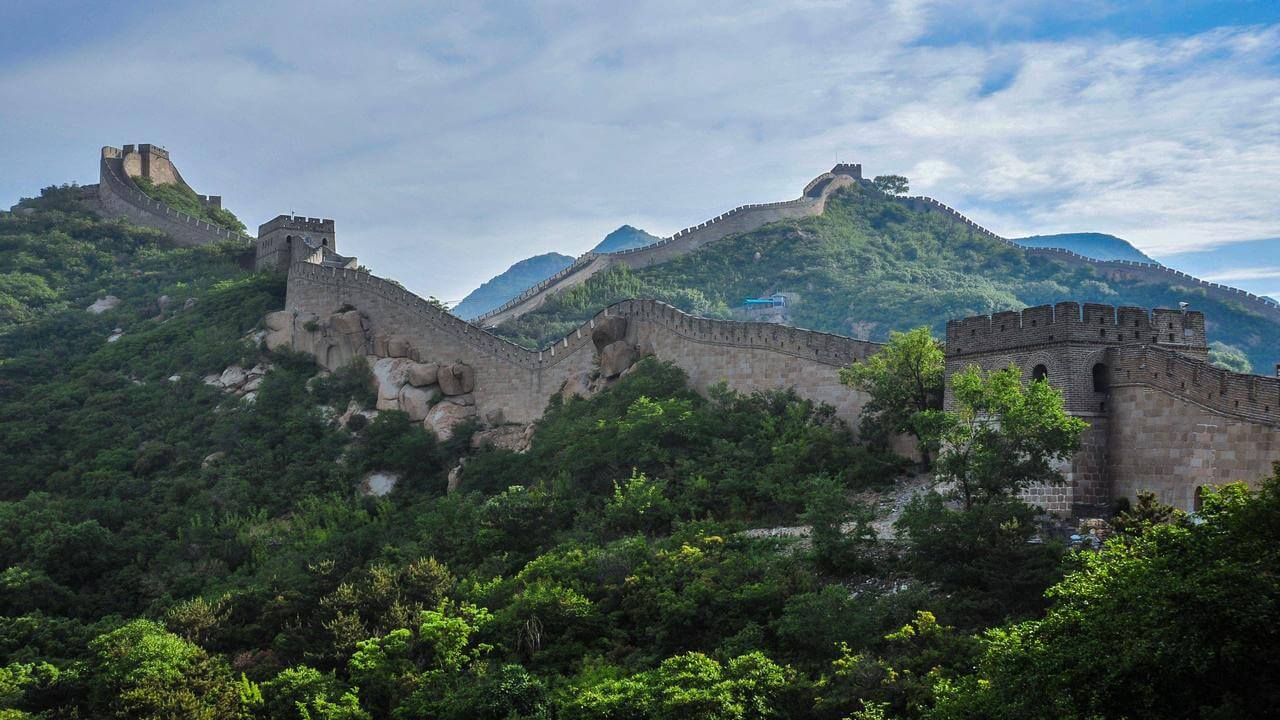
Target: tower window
1040	372
1101	378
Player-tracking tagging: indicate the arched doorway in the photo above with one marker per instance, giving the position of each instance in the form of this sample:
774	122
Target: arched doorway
1101	378
1040	372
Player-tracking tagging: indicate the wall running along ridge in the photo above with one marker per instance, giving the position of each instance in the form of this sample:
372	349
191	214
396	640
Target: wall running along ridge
518	382
118	196
744	218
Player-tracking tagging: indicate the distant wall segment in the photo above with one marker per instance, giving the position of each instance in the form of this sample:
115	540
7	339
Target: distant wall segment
118	196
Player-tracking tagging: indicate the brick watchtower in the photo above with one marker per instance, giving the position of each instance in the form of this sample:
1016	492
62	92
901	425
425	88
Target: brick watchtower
287	238
1075	351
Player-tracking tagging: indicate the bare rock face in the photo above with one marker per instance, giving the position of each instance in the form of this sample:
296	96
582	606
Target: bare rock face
163	302
101	305
417	402
278	339
212	458
278	320
457	379
390	374
576	385
608	330
399	347
617	357
515	438
233	377
455	476
346	323
446	416
423	374
378	483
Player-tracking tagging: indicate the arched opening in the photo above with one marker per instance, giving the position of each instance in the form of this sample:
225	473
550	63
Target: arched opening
1101	378
1197	500
1040	372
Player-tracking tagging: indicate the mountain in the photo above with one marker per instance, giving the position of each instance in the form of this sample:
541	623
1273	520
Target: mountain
510	283
870	265
531	271
625	238
1098	246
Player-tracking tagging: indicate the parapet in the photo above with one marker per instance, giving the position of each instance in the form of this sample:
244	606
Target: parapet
853	170
296	222
1069	322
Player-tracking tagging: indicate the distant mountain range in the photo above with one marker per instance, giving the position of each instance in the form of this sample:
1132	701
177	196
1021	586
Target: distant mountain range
1252	265
531	271
1098	246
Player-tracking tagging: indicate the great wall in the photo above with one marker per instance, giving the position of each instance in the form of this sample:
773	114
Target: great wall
1161	418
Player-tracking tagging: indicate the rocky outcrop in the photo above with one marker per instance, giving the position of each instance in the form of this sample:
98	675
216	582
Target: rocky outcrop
616	357
423	374
445	417
457	379
101	305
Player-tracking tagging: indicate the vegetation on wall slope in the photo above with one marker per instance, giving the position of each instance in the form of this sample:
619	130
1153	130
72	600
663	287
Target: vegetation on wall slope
868	266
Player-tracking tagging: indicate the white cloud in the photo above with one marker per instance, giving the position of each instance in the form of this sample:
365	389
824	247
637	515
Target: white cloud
449	144
1236	274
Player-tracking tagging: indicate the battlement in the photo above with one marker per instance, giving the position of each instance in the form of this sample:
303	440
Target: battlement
1069	322
853	170
296	222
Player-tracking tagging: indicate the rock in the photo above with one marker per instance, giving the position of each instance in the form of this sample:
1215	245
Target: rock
608	330
616	357
163	302
278	320
455	476
495	416
353	409
416	401
115	335
576	385
446	416
214	379
174	378
346	323
258	370
398	347
250	398
278	339
101	305
423	374
390	374
190	303
457	379
467	400
232	377
252	384
212	458
507	437
378	483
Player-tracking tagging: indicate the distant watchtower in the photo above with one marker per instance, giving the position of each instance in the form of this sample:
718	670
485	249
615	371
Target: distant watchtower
288	238
1075	352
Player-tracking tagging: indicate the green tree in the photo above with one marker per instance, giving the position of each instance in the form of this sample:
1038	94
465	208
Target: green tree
904	380
891	184
304	693
1179	621
1003	435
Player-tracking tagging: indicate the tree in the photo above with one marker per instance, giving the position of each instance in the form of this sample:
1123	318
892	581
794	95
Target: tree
904	380
891	184
1004	435
1179	621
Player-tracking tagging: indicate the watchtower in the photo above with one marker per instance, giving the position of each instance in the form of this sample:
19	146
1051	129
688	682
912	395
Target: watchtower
287	238
1073	349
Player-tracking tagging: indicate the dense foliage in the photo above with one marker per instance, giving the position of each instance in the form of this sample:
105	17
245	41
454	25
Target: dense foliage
870	265
171	551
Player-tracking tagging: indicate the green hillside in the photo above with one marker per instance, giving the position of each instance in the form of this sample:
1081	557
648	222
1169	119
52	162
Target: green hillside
510	283
868	266
1098	246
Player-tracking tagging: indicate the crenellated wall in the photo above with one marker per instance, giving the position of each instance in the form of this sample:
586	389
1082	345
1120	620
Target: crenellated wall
743	218
519	381
117	196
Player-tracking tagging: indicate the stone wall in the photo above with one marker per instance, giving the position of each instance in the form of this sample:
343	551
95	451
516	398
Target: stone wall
117	196
518	381
744	218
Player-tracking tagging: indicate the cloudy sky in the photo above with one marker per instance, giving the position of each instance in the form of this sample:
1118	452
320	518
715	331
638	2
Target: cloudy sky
449	140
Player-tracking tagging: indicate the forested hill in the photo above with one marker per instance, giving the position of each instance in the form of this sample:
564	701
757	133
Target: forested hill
870	265
510	283
1098	246
170	549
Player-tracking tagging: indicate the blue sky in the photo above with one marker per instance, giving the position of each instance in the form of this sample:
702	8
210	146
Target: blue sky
450	142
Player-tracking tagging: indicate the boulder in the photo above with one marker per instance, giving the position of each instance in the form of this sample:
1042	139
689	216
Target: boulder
279	320
455	476
190	303
417	402
163	302
457	379
346	323
607	331
507	437
576	385
279	339
467	399
232	377
616	357
446	416
399	347
390	374
423	374
115	335
212	458
101	305
379	483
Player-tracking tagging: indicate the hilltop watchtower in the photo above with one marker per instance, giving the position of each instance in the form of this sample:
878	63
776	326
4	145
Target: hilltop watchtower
1076	351
289	238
